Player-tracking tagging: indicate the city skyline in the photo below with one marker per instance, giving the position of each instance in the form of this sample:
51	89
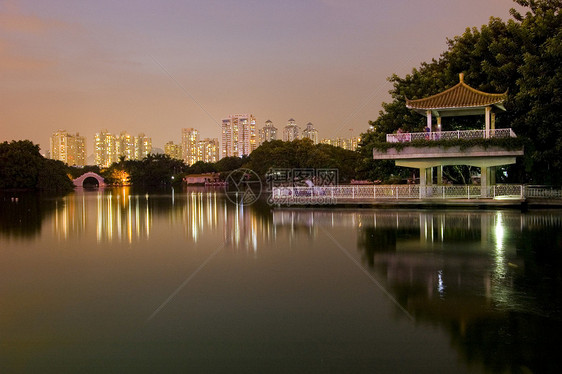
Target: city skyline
107	148
158	68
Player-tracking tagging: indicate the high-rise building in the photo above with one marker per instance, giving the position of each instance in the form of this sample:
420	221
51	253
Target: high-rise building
268	132
350	143
208	150
108	148
105	150
238	135
353	143
125	146
68	148
143	146
291	131
311	133
189	143
173	150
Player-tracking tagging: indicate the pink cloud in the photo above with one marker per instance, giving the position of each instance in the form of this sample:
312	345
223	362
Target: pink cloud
13	20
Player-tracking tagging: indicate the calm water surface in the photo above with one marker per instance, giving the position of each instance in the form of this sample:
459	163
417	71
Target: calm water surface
117	281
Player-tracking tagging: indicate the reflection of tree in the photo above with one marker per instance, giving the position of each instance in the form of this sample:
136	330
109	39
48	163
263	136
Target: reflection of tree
21	214
509	323
373	240
510	342
541	251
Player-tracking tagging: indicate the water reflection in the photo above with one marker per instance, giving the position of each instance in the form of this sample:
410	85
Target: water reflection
465	271
22	213
490	279
119	215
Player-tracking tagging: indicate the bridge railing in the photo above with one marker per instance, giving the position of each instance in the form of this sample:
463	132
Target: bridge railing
460	134
543	192
365	194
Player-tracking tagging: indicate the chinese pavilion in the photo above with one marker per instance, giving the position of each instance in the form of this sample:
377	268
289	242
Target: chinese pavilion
459	100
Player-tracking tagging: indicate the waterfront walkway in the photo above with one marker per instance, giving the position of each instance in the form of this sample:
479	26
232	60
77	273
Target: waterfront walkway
414	194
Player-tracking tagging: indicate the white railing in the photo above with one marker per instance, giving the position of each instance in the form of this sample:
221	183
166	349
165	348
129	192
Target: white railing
543	192
460	134
365	194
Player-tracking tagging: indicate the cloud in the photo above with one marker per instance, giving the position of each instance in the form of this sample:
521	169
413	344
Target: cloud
16	31
13	61
12	20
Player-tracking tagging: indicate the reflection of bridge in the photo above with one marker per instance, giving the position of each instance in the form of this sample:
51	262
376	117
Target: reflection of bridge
79	182
397	219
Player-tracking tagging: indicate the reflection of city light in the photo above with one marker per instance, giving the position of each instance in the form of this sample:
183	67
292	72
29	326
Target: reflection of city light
254	234
118	208
499	247
499	232
130	221
109	223
99	221
193	209
147	220
440	284
137	216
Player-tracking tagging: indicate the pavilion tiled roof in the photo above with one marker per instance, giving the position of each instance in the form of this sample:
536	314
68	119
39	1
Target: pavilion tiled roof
459	96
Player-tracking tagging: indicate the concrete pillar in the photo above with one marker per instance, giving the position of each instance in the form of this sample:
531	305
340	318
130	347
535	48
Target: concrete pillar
440	175
428	113
488	120
492	175
423	182
484	181
493	121
439	124
430	175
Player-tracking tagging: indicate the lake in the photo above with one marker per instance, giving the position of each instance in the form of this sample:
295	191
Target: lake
122	281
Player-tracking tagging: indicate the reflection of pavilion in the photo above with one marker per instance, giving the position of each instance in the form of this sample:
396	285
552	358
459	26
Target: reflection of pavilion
449	260
463	271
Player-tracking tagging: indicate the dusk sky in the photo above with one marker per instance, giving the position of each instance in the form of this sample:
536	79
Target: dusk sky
159	66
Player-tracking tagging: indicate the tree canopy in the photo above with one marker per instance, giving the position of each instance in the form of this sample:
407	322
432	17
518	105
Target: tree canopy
522	56
23	167
155	170
302	153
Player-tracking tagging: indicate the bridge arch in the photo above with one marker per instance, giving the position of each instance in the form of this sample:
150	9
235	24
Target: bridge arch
79	182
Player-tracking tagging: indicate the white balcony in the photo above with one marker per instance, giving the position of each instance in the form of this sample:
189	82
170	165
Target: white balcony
459	134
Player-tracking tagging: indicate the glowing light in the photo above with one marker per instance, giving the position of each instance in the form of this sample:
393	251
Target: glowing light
440	283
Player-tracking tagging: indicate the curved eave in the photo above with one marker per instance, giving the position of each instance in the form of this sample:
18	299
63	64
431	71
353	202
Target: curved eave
460	99
457	112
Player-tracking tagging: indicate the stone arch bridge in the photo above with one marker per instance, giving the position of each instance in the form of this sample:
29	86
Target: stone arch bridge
79	182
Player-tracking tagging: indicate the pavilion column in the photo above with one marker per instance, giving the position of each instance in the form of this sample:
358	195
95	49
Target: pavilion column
440	175
493	121
488	116
423	182
439	123
484	172
428	113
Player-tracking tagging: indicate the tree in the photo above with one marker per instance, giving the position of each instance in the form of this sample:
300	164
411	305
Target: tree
20	162
201	167
522	56
230	163
154	170
23	167
54	176
302	154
